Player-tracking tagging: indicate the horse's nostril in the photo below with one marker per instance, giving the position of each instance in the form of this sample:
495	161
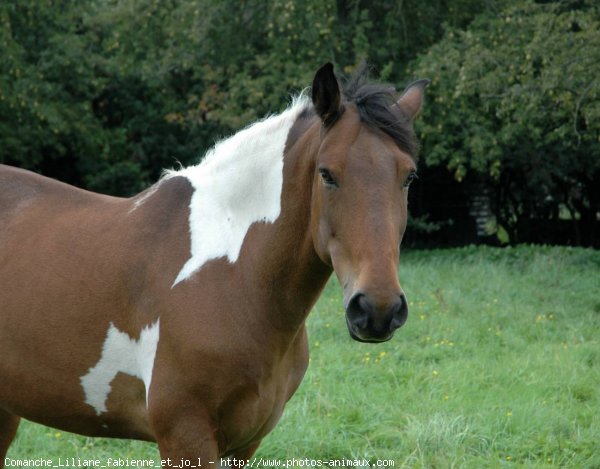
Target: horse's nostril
370	323
399	314
357	311
364	304
361	322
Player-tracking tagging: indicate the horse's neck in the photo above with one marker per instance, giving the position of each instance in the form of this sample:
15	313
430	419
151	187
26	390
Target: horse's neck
251	204
239	184
286	254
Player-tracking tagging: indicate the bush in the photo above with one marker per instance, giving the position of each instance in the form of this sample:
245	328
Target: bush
515	108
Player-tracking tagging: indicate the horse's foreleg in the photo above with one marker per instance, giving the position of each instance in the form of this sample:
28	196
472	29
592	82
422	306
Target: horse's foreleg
8	430
195	448
186	440
246	453
188	453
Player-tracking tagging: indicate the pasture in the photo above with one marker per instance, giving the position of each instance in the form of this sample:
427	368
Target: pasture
497	366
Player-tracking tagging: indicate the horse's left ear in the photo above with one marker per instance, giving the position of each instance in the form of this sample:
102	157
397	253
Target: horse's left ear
326	94
411	100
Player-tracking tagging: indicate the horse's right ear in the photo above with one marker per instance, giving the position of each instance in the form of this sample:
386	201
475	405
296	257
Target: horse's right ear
411	100
326	94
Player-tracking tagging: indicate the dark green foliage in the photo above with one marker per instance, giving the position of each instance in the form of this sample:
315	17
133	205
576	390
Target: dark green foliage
515	108
105	94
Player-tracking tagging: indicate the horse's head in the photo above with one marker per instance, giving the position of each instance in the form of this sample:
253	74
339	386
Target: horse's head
364	166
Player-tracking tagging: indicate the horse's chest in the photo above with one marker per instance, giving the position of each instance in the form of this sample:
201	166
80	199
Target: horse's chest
252	413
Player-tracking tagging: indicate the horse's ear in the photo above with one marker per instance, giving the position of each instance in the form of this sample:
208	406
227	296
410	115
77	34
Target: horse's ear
411	100
326	94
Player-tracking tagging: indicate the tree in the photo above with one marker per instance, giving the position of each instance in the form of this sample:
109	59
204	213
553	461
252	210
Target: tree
516	106
106	94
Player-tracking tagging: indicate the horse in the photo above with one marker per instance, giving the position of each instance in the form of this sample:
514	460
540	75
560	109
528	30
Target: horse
177	316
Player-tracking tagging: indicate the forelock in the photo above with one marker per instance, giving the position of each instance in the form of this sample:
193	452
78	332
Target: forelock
377	108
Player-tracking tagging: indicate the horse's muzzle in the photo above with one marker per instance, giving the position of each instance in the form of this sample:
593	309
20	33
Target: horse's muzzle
369	323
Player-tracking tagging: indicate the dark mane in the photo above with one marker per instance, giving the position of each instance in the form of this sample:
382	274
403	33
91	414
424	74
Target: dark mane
376	106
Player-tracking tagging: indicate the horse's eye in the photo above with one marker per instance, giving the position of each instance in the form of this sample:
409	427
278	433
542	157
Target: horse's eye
327	177
410	178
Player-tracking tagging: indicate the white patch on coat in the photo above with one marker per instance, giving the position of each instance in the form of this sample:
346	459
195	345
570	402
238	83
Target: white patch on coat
238	183
120	353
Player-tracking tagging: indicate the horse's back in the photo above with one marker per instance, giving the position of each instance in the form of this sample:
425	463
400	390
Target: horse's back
50	229
60	269
20	188
34	207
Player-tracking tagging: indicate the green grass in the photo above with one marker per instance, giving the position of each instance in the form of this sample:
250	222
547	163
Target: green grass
498	366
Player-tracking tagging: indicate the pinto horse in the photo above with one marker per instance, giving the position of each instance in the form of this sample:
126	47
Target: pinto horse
178	315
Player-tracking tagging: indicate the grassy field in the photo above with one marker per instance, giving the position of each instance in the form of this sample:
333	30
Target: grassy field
498	366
